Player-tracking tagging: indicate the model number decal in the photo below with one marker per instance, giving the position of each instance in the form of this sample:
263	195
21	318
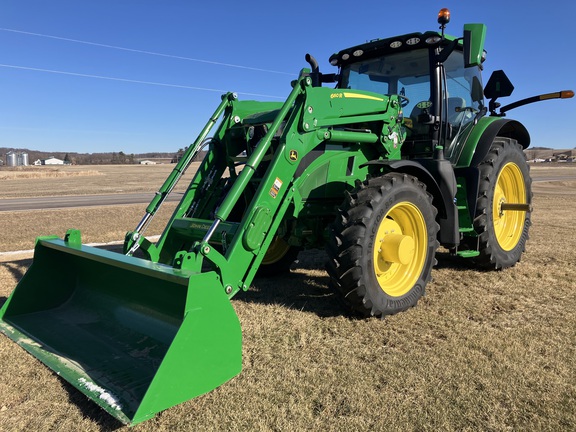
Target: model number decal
354	96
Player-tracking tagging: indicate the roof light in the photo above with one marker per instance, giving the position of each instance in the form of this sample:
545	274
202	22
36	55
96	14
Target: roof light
358	53
396	44
433	40
413	41
334	61
444	16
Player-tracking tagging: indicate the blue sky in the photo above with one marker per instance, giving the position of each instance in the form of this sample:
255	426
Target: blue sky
250	47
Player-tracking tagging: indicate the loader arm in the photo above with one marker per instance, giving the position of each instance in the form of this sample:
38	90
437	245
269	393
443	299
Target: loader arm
309	153
133	239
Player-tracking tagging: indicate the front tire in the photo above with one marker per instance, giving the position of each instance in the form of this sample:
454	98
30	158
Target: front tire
383	245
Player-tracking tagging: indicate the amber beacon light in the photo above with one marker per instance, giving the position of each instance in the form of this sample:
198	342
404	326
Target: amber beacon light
444	16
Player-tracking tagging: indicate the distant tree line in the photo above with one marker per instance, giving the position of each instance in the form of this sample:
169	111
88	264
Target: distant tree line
118	158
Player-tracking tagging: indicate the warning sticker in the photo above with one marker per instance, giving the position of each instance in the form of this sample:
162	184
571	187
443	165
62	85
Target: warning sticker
275	187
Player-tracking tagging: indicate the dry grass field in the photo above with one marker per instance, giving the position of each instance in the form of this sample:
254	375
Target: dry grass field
488	351
32	181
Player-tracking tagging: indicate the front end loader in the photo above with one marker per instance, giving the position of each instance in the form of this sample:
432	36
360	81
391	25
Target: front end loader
393	158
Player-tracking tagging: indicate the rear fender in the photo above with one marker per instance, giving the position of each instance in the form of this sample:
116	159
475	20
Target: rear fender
477	147
480	140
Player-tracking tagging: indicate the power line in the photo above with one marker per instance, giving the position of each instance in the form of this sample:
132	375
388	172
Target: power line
145	52
133	81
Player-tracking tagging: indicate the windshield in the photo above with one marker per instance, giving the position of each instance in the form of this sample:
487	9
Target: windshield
406	73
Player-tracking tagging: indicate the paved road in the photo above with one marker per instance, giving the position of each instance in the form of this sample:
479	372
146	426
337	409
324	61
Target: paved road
18	204
42	203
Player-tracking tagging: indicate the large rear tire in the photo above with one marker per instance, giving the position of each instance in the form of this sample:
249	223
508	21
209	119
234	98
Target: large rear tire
383	245
504	179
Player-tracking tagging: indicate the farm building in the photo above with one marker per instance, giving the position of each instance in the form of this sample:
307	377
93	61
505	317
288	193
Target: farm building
50	161
565	156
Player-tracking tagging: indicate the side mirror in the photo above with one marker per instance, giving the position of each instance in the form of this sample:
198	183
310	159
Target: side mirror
498	85
474	36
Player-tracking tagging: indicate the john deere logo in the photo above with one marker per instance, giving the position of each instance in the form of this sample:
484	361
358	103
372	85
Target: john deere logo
293	155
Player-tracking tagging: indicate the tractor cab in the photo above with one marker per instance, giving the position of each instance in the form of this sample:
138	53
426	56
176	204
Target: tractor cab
440	88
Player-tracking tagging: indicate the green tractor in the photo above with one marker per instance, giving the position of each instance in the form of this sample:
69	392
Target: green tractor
394	157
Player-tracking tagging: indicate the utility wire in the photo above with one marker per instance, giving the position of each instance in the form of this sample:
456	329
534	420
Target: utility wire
133	81
145	52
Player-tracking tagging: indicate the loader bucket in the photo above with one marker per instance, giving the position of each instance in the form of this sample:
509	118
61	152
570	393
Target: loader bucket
136	337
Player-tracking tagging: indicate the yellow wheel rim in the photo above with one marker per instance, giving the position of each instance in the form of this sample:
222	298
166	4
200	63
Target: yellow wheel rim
400	249
510	188
277	250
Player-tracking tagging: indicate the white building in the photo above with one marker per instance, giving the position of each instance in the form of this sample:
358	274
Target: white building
52	161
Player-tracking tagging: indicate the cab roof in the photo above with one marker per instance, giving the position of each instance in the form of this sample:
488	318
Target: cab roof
383	47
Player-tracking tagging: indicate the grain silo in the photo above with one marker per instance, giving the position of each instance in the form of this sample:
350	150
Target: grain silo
11	159
23	159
